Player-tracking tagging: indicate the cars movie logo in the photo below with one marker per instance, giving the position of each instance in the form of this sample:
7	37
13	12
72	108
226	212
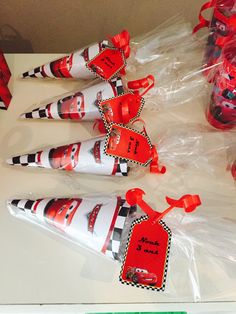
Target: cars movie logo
92	217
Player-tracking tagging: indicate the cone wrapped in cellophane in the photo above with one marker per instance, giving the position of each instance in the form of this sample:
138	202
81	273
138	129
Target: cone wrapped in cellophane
82	105
81	157
95	222
104	59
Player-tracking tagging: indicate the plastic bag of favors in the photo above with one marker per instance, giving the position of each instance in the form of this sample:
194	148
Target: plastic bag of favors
124	228
222	28
124	151
173	55
221	111
170	251
163	74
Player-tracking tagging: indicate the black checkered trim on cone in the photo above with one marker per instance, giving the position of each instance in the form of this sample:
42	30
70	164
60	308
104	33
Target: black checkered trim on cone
24	160
116	236
38	113
122	168
118	85
23	204
37	72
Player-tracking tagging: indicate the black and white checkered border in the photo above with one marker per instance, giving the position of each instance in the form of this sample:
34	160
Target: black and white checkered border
116	73
127	159
116	236
107	125
129	283
36	72
117	83
122	168
38	113
25	160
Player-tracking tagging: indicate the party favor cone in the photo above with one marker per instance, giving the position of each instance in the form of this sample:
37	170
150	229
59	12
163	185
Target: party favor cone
94	222
81	64
82	157
82	105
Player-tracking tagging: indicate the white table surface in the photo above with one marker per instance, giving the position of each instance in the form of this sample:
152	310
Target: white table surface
38	269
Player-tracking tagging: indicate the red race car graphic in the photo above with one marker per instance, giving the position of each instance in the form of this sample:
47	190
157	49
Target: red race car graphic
65	157
114	139
92	216
141	276
72	107
61	212
108	113
62	67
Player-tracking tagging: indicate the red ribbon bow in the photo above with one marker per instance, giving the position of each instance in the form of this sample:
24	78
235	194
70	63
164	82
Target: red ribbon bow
121	41
145	83
202	21
188	202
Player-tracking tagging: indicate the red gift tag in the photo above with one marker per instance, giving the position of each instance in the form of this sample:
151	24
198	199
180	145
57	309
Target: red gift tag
147	251
125	143
121	109
146	259
108	63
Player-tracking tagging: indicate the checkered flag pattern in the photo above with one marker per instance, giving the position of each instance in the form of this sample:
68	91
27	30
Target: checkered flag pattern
122	168
118	85
38	113
116	236
37	72
24	160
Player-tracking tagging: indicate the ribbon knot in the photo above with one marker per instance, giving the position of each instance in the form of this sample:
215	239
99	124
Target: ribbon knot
122	41
188	202
145	83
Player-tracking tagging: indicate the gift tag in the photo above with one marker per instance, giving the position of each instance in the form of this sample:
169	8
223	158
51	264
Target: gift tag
146	259
148	246
107	63
128	144
121	109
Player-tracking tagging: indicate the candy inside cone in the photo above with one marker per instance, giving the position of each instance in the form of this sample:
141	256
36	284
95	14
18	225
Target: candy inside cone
82	157
94	222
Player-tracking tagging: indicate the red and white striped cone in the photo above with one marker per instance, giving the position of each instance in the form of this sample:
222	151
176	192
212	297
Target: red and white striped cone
75	65
93	222
82	157
82	105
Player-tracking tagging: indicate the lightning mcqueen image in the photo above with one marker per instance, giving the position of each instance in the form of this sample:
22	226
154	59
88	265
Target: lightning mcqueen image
141	276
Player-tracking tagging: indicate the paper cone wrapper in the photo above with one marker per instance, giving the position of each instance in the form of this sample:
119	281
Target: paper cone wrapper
93	222
82	105
82	157
70	66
